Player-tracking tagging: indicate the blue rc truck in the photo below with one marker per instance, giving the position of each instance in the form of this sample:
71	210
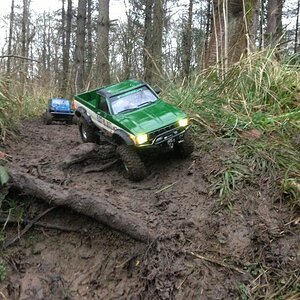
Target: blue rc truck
59	109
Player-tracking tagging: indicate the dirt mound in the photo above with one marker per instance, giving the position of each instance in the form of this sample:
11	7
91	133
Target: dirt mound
201	251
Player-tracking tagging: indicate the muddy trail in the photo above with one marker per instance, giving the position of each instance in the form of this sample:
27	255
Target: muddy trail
201	250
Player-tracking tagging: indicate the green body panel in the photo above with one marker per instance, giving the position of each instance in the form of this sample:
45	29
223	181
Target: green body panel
122	87
149	118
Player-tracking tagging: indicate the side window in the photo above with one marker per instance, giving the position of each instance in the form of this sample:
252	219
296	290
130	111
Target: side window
103	105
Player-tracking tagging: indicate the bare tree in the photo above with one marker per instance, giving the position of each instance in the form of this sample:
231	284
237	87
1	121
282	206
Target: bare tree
11	25
66	48
24	46
89	26
187	42
103	68
297	29
157	37
208	24
274	22
153	28
80	45
148	62
229	31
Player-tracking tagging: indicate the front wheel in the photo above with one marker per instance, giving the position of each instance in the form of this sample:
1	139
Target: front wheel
135	168
185	148
87	132
47	118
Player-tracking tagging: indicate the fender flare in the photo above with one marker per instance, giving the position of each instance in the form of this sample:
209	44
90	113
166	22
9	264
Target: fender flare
81	112
123	136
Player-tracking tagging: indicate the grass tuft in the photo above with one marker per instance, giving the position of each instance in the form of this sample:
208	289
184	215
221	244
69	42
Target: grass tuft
257	106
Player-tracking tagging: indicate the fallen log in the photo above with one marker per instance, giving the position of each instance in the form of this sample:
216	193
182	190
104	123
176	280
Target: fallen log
88	151
97	207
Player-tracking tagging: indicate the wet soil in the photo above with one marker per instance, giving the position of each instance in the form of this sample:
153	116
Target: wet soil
202	250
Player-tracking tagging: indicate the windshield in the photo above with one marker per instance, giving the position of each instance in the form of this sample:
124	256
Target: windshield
132	100
60	103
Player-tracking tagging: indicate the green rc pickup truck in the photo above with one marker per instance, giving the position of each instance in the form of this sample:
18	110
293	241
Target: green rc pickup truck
131	116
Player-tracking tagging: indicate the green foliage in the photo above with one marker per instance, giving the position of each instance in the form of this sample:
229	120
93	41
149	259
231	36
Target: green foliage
3	180
2	271
8	110
261	95
14	105
243	292
3	175
35	102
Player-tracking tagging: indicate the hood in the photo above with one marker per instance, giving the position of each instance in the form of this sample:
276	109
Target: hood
149	118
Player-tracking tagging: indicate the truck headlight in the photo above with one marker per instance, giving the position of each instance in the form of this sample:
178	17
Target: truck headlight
139	139
184	122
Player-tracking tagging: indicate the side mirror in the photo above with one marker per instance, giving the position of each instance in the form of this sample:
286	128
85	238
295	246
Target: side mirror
157	90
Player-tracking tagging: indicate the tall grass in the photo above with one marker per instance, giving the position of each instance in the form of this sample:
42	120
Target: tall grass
258	107
16	103
8	110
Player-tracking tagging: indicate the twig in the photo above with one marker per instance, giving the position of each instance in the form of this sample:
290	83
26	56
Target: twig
9	242
216	262
2	295
41	224
127	261
5	156
185	278
165	188
21	57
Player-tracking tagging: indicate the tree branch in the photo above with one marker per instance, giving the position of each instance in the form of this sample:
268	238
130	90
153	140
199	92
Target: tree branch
21	57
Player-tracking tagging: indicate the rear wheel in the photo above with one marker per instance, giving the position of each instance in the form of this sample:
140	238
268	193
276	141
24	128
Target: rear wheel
87	132
185	148
134	167
47	118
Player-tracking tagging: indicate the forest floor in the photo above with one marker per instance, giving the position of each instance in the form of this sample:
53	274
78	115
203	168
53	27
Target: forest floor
203	249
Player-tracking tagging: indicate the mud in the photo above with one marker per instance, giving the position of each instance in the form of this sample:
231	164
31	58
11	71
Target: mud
202	249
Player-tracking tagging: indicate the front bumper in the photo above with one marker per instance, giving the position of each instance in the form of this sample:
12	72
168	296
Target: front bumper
62	116
165	138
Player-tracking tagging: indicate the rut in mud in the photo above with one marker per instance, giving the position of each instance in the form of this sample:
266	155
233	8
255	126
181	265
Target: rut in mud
201	250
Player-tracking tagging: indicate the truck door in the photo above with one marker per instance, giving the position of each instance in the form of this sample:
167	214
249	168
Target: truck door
104	116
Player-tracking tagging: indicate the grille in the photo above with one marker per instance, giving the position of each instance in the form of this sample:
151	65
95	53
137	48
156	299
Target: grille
160	135
154	134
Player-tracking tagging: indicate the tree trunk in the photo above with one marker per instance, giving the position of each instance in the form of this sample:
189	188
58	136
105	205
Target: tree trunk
63	21
128	48
228	41
254	27
274	22
187	42
208	24
261	25
103	67
66	49
147	51
80	45
98	207
24	49
63	42
297	29
90	53
157	37
11	25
